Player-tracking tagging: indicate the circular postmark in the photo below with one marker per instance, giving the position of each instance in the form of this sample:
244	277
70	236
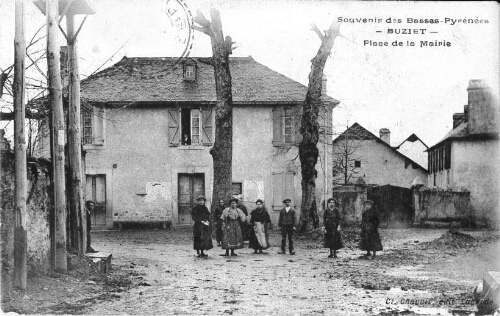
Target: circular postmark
181	21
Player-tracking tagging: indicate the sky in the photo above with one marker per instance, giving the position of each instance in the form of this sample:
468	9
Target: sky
407	89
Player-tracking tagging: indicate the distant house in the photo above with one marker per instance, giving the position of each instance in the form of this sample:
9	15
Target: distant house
469	155
152	124
358	153
415	149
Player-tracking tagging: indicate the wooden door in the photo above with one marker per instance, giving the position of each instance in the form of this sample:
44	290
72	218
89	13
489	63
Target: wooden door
190	187
96	192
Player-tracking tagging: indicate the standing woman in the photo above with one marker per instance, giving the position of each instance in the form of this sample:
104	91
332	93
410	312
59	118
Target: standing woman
201	229
231	218
218	221
259	235
370	239
331	220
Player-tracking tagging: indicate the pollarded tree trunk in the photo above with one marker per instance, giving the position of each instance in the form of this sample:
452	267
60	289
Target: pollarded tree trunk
222	151
308	149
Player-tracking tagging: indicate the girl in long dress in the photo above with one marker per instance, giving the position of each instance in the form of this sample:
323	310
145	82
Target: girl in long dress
259	235
331	221
370	238
231	230
201	230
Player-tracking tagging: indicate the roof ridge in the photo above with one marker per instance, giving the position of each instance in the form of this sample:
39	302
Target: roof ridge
378	139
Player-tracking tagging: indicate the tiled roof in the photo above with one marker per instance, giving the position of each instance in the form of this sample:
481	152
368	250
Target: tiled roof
161	80
358	132
461	132
457	132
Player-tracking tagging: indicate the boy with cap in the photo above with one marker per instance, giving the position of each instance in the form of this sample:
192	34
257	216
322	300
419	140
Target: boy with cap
287	222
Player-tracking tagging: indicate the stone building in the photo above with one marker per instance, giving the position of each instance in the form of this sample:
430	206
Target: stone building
468	156
148	126
364	155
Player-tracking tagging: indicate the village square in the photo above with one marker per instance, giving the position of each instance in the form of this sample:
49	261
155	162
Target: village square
219	180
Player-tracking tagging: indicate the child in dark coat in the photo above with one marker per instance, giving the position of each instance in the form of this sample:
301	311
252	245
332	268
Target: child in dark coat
201	230
331	221
370	239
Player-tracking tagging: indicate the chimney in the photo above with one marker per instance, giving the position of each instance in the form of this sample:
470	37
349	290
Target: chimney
457	119
483	109
385	135
63	59
323	86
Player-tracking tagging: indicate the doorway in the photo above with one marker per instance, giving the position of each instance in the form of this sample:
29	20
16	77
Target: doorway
96	192
191	185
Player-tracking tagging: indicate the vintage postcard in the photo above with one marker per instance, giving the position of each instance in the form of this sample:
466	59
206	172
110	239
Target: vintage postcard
243	157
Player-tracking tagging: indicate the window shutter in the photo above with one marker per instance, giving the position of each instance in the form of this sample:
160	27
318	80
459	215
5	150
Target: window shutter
173	127
448	156
98	122
288	187
277	191
207	126
278	126
297	121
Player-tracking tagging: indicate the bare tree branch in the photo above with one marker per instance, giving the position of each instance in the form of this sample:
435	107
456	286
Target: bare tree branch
315	29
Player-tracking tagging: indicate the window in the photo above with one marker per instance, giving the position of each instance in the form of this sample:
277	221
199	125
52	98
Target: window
195	126
92	123
286	123
190	126
440	158
357	164
190	70
87	128
189	73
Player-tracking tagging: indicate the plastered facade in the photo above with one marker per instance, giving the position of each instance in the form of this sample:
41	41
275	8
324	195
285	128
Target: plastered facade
142	168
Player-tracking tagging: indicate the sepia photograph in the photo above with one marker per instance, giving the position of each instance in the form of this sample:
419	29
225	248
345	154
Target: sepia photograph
268	157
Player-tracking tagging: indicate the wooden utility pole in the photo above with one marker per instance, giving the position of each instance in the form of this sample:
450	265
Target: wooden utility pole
55	97
20	235
78	223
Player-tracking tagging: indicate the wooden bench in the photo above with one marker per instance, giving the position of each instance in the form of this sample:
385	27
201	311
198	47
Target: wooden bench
149	224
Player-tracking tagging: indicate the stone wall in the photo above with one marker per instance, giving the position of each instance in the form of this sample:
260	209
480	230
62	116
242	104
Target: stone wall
350	199
38	220
394	204
443	207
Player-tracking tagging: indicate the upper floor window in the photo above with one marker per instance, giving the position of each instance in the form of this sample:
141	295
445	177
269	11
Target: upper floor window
189	73
357	163
440	158
190	70
286	125
87	128
92	122
190	126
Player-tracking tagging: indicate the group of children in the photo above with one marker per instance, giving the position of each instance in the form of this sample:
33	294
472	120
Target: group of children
232	223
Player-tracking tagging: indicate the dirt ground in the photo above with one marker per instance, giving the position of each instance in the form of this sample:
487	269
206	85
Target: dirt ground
420	272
